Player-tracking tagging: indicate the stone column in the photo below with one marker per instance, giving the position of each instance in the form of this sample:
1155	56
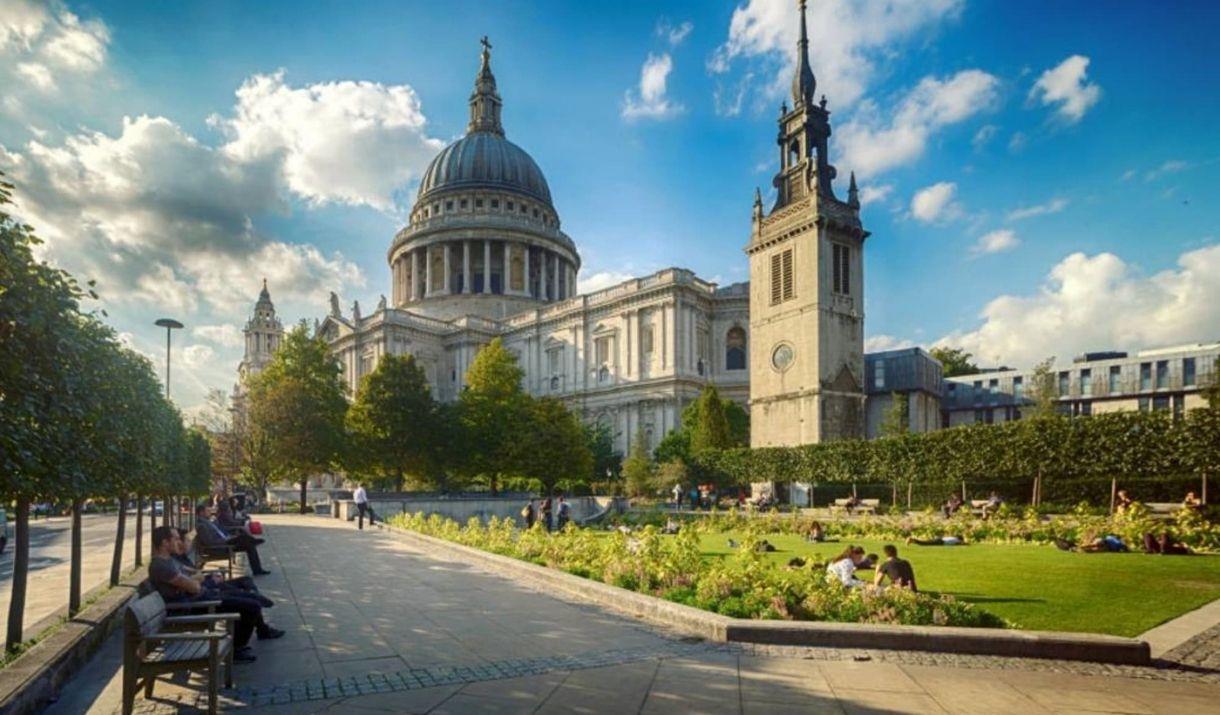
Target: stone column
465	266
445	287
542	279
417	274
486	266
427	271
507	267
525	269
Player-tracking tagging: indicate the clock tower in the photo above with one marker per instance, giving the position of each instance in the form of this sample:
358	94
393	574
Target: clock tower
806	286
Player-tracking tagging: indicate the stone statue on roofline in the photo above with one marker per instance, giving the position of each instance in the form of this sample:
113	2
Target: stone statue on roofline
334	305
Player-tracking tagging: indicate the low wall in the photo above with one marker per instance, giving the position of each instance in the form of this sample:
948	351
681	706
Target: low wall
975	641
460	509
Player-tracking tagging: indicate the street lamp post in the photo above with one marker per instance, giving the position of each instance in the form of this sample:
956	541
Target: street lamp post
170	325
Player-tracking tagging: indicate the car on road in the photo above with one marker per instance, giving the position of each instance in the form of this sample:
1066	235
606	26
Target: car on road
157	508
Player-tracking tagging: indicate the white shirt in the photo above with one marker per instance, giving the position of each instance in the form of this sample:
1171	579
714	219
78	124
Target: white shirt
360	496
845	571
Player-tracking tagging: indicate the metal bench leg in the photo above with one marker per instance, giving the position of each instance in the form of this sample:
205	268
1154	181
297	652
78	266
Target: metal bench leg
149	682
213	678
129	691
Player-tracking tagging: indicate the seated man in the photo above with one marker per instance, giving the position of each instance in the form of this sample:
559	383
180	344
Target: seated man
165	573
938	541
240	585
993	505
210	535
1123	501
951	506
232	522
899	571
1192	501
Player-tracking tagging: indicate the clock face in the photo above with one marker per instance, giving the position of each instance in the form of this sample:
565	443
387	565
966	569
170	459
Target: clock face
781	356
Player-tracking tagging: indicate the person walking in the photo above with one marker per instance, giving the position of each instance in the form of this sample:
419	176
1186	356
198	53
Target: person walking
677	496
530	513
361	497
546	513
564	513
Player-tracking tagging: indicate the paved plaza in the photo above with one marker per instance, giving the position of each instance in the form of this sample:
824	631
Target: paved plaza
376	626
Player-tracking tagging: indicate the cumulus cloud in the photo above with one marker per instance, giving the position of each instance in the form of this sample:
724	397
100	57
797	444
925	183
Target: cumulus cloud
650	100
881	343
601	279
342	142
872	193
1067	88
42	42
873	143
674	34
1101	302
846	37
996	242
197	355
1053	206
225	334
935	203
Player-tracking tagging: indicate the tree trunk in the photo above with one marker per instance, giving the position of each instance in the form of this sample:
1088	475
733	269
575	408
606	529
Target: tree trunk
116	564
139	530
74	565
21	569
152	520
304	488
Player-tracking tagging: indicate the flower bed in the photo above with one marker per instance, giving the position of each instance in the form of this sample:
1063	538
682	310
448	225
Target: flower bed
745	585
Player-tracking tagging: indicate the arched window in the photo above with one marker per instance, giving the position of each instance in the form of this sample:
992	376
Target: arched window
794	153
735	349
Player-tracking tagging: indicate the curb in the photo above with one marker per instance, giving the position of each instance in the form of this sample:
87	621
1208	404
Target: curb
32	680
1054	645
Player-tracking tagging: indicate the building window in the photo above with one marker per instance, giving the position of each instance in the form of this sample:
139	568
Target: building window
993	386
842	268
1086	382
1018	387
478	203
1162	374
1144	404
425	213
1145	376
879	374
535	213
782	288
1086	408
1116	379
449	205
1064	383
1160	403
436	208
1188	372
735	349
603	375
601	350
495	203
465	203
554	360
554	384
508	205
646	339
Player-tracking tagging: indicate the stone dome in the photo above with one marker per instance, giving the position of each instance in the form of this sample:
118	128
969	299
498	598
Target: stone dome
484	160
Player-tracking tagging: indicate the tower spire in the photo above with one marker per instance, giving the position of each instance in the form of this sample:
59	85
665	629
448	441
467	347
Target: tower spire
485	101
803	83
853	194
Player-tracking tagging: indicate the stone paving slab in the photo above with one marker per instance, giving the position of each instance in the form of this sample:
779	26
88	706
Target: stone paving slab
385	630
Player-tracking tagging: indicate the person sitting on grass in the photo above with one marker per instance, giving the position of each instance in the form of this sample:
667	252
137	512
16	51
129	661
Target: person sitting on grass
899	571
868	562
843	567
242	585
1192	501
167	576
938	541
1166	546
671	526
994	502
1110	543
1123	501
951	505
815	532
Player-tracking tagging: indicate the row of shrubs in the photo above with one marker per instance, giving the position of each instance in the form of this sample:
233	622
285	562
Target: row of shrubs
1007	525
744	585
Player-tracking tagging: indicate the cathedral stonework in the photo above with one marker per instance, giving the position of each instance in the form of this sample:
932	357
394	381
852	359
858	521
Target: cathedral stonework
806	286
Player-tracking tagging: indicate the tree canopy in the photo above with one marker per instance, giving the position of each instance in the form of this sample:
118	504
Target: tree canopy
955	361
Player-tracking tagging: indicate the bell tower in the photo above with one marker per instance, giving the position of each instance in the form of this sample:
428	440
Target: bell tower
806	286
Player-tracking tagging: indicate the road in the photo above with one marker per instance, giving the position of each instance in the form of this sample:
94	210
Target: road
50	550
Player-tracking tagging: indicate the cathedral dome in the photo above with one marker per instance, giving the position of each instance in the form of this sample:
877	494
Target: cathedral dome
484	160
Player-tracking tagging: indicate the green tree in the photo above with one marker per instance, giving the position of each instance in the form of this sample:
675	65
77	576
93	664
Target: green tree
394	425
955	361
1042	390
897	417
711	428
493	413
554	451
607	462
1211	392
296	403
638	468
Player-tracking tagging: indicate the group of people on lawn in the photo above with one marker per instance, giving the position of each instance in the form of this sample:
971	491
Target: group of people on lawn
174	571
898	571
542	510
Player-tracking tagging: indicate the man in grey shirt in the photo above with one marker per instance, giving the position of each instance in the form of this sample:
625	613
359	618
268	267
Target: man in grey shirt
899	571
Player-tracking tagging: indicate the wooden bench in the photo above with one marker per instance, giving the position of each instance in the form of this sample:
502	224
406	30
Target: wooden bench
866	506
201	555
1163	509
156	644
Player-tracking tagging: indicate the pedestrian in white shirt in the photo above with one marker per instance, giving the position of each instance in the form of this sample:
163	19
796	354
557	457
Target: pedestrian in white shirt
361	497
843	566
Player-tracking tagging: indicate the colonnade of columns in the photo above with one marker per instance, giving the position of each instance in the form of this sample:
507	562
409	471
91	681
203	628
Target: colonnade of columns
463	267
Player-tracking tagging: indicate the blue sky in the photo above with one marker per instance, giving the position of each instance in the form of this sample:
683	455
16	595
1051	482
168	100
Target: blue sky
1041	177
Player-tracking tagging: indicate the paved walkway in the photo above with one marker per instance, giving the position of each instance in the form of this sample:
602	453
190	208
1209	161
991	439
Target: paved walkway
375	626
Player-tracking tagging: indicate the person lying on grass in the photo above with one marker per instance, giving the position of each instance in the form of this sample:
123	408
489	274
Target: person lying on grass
938	541
1165	545
843	566
899	571
1110	543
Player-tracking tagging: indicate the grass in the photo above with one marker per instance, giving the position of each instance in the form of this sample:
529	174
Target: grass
1038	587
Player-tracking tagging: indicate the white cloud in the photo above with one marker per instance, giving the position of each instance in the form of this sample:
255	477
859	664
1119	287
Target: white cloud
197	355
1101	302
1129	174
1017	142
21	23
342	142
674	34
935	203
996	242
872	144
1066	85
37	75
872	193
601	279
1171	166
43	42
983	136
845	38
1053	206
881	343
77	46
650	101
225	334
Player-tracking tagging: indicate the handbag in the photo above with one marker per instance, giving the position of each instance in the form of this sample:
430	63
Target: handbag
256	528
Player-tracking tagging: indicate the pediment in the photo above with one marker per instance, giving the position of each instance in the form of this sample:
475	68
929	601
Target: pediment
845	381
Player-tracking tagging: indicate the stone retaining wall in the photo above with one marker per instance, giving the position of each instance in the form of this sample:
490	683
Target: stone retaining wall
460	509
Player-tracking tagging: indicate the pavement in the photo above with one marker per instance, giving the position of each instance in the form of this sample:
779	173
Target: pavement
375	626
50	551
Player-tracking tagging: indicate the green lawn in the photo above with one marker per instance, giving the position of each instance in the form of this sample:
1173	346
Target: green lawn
1040	587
